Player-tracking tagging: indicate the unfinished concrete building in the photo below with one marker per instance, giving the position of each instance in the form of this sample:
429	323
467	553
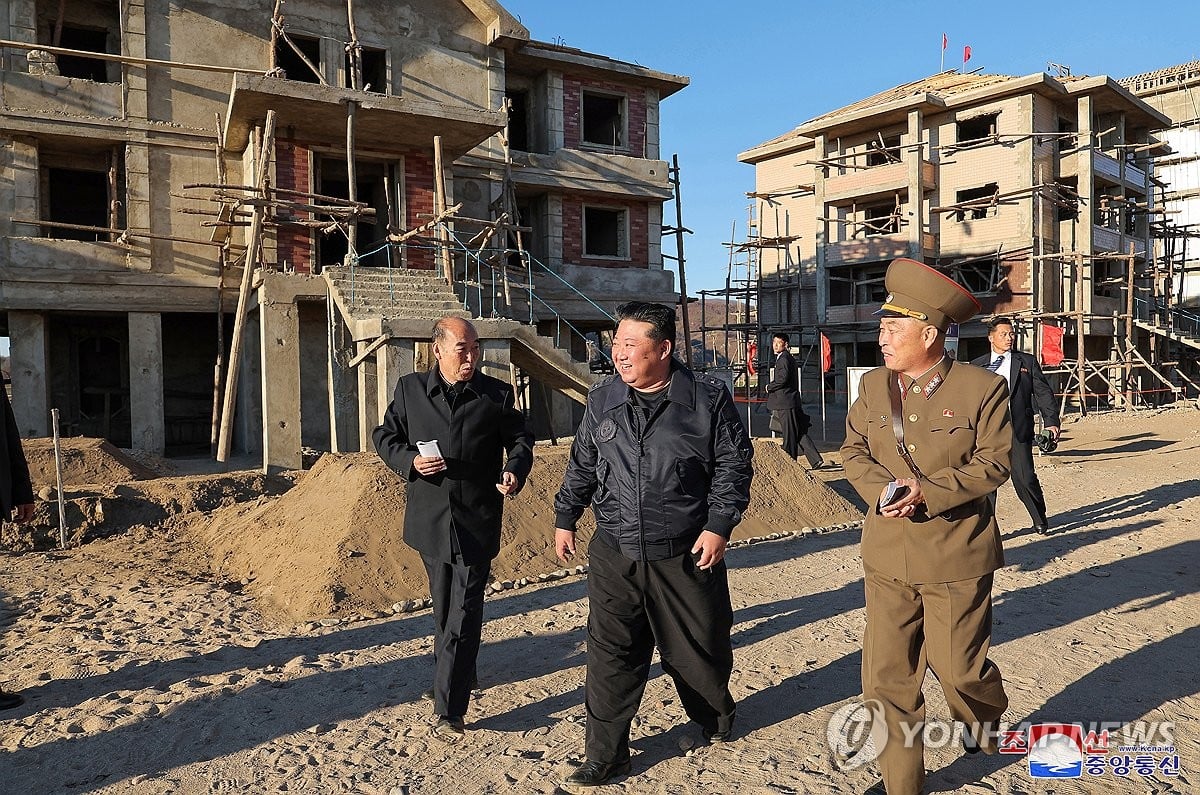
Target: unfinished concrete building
300	190
1034	192
1175	93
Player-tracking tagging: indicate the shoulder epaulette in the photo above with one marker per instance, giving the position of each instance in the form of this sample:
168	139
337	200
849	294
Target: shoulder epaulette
605	381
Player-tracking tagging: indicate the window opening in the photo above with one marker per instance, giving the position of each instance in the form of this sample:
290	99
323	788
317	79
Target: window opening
602	120
80	66
883	150
977	128
374	70
518	120
882	219
604	232
292	64
987	191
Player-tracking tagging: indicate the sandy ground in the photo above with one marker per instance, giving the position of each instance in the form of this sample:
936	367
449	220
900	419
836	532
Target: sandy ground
145	673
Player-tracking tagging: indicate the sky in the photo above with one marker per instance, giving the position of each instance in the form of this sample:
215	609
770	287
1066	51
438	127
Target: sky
761	68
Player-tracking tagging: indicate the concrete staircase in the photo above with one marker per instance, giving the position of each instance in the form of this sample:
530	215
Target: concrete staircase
1171	334
538	356
378	301
391	293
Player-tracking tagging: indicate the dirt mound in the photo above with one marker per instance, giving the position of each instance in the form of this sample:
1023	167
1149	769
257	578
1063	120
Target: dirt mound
85	461
106	510
333	544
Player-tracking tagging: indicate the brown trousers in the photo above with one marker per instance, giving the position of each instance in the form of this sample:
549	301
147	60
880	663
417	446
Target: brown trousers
946	627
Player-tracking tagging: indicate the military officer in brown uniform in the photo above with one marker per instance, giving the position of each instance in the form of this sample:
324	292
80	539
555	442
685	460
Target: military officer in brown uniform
939	433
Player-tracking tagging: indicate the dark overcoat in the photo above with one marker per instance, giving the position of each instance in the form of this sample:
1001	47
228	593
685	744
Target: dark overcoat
480	437
15	485
784	390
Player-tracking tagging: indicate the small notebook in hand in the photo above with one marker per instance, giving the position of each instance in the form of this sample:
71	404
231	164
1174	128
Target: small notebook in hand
429	449
894	491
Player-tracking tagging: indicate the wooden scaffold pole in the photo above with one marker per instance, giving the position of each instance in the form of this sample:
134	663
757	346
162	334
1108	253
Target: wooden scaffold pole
262	165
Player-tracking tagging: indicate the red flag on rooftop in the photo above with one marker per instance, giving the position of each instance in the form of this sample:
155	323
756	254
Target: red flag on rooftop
1052	351
945	41
966	53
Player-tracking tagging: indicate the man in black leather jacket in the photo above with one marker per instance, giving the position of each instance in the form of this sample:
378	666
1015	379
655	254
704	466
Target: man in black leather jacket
664	460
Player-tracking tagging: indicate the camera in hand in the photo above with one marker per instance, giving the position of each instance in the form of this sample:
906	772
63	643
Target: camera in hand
1045	441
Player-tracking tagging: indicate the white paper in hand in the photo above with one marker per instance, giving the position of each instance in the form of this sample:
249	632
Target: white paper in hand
429	449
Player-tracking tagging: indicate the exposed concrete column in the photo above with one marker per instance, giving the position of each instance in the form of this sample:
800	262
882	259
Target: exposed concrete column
137	199
822	227
653	129
280	350
25	178
393	360
133	43
368	396
496	356
248	414
554	231
147	422
555	126
1085	221
654	216
342	384
30	369
19	24
914	155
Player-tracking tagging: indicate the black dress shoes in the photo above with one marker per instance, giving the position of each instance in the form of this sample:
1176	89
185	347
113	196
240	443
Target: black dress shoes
716	737
9	700
449	729
876	789
597	774
968	742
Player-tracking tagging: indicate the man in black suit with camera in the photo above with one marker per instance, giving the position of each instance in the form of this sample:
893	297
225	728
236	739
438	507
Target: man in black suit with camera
787	412
1029	392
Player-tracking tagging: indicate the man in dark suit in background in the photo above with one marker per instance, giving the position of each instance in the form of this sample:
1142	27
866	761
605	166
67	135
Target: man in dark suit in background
1028	391
16	492
783	399
455	500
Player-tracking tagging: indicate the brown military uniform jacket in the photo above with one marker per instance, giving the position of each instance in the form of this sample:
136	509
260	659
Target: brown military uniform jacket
960	436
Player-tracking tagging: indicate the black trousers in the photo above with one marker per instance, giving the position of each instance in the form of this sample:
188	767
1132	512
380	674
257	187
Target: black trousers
1025	481
795	436
457	593
636	605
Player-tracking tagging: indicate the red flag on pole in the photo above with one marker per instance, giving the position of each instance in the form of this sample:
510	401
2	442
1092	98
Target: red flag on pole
826	355
945	41
966	53
1052	352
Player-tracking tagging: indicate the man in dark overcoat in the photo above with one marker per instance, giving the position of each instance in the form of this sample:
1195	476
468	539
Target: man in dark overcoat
455	499
1028	391
927	443
787	412
16	493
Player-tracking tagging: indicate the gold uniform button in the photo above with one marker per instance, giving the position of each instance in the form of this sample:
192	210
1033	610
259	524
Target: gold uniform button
916	389
912	448
912	417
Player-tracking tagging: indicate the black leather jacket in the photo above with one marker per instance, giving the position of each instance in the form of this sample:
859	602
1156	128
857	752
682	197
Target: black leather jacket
655	485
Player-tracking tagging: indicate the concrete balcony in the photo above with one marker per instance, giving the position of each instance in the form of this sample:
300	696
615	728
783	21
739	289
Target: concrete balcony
319	112
61	96
578	169
851	314
1109	167
879	179
1106	239
877	248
